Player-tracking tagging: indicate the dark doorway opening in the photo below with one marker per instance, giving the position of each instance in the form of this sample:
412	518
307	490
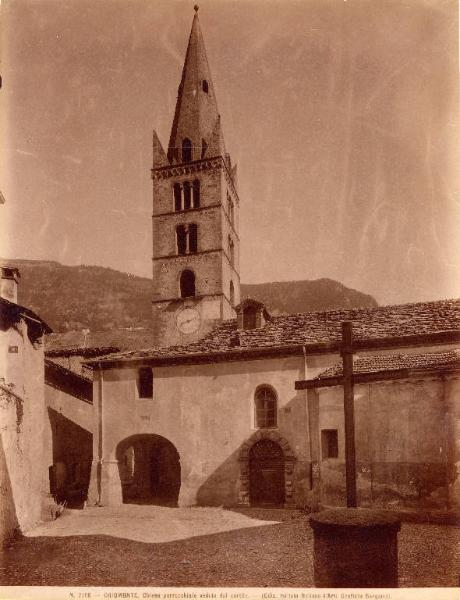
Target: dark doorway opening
150	471
266	474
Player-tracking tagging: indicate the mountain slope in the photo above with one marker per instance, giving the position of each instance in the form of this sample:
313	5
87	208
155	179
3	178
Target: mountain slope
285	297
98	298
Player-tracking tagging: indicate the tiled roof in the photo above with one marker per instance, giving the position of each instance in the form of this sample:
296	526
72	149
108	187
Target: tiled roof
441	361
315	328
16	311
92	343
71	349
72	363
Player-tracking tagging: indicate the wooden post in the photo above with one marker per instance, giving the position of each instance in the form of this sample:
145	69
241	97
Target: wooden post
349	412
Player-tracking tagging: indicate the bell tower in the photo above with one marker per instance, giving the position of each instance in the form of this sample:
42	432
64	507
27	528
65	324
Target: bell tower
195	212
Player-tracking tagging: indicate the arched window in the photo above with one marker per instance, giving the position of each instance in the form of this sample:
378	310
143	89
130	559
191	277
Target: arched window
192	238
265	407
204	147
186	150
196	193
205	86
177	197
231	250
187	195
187	283
232	294
230	209
181	239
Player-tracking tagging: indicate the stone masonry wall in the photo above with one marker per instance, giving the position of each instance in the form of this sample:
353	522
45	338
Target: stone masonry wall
23	460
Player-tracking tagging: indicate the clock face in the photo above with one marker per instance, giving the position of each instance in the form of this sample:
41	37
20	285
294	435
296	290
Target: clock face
188	320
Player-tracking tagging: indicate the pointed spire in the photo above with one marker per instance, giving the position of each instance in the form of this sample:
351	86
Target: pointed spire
196	116
216	144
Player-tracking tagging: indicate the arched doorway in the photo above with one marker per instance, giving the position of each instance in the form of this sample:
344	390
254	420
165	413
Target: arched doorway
255	457
266	474
149	467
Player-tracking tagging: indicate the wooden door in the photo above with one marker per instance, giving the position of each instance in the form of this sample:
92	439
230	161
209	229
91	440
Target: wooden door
266	474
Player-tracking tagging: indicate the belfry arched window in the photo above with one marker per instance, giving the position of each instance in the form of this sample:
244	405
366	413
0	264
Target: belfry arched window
230	209
196	193
205	86
187	195
187	283
192	238
231	250
186	150
181	239
265	407
177	197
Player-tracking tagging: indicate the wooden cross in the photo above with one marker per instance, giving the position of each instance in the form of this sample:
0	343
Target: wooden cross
347	381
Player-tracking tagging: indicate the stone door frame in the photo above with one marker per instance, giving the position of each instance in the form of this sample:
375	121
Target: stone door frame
289	462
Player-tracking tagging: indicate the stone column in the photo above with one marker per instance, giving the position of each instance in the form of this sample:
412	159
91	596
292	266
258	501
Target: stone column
94	484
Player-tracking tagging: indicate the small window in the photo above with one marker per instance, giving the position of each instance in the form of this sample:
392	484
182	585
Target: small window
177	197
232	294
181	239
187	283
205	86
329	443
145	382
192	238
250	318
196	193
187	195
265	405
186	150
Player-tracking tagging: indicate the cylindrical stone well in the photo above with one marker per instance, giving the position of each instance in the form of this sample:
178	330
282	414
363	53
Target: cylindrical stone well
355	547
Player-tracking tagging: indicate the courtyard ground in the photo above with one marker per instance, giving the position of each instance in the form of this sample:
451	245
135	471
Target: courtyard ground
135	545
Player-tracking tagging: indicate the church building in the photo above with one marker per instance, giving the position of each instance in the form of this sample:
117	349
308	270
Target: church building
203	409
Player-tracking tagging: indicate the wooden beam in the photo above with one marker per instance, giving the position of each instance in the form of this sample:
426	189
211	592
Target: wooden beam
372	377
349	412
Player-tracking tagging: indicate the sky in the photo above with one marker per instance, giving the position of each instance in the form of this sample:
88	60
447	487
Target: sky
341	115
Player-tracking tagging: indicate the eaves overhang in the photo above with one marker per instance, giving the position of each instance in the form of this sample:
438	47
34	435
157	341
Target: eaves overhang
241	354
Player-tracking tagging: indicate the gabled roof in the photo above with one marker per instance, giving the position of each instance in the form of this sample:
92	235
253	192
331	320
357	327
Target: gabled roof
385	326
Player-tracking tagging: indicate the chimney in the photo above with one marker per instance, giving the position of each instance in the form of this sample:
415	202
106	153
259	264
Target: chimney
9	283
